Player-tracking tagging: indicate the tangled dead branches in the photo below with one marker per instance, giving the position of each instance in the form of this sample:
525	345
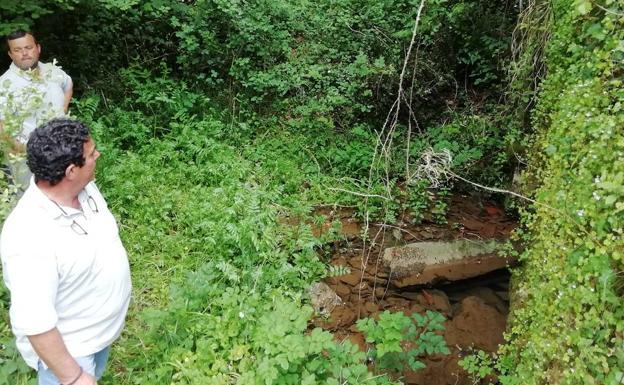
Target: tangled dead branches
434	167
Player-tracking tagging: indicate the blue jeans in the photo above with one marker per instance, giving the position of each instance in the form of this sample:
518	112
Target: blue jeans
93	364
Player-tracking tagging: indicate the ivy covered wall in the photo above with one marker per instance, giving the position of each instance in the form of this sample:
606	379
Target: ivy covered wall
568	322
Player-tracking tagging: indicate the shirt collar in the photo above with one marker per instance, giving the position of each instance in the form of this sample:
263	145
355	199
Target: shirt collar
39	199
21	73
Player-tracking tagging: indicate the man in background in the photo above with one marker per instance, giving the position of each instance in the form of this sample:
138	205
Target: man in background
31	93
63	261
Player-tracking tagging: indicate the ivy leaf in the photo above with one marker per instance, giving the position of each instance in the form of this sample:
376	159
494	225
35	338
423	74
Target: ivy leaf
583	7
609	200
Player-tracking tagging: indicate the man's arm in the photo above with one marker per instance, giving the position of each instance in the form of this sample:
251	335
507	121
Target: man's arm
51	348
69	91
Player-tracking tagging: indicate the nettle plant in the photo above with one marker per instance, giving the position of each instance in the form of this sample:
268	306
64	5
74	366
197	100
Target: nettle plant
399	340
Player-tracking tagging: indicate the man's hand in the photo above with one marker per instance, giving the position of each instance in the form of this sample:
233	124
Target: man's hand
51	349
86	379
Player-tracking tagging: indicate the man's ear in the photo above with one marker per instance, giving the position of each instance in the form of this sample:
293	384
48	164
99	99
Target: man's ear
70	171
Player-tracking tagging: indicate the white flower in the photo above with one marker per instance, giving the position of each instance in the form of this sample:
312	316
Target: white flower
580	213
241	314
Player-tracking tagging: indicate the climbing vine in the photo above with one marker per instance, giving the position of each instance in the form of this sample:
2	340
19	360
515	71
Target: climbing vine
568	323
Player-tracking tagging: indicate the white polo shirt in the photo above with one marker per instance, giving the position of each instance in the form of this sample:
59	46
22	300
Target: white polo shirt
65	268
34	97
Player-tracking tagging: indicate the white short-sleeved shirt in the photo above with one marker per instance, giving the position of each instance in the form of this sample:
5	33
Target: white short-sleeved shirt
65	270
39	96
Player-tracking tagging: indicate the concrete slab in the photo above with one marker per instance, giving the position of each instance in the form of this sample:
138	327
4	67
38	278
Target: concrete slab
431	262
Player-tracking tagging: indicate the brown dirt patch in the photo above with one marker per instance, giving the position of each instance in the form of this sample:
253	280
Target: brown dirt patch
476	310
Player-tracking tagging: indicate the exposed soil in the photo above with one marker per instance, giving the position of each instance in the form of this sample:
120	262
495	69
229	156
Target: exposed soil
476	309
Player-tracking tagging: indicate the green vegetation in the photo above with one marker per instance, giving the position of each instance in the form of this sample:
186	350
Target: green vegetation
223	123
399	340
569	319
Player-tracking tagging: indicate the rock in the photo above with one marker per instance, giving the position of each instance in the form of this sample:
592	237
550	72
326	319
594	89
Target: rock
323	298
429	262
472	224
371	307
380	292
490	298
435	300
342	290
340	261
416	308
355	262
361	288
355	298
351	279
476	324
375	280
381	274
341	316
376	269
397	304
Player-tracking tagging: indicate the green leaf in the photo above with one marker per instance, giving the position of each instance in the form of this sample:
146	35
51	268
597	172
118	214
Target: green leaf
610	199
583	7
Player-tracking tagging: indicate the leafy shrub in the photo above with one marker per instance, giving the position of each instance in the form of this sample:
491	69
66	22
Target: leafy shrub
479	143
219	330
479	365
400	340
216	120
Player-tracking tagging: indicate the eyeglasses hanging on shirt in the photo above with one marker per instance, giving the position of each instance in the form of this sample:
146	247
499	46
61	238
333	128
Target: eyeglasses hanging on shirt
92	205
75	226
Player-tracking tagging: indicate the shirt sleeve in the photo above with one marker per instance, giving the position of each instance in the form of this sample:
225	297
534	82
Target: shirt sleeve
31	275
67	81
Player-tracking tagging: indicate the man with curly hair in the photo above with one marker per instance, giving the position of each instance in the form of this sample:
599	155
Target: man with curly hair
63	261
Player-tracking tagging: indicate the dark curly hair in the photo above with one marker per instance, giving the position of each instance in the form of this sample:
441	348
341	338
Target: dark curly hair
54	146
